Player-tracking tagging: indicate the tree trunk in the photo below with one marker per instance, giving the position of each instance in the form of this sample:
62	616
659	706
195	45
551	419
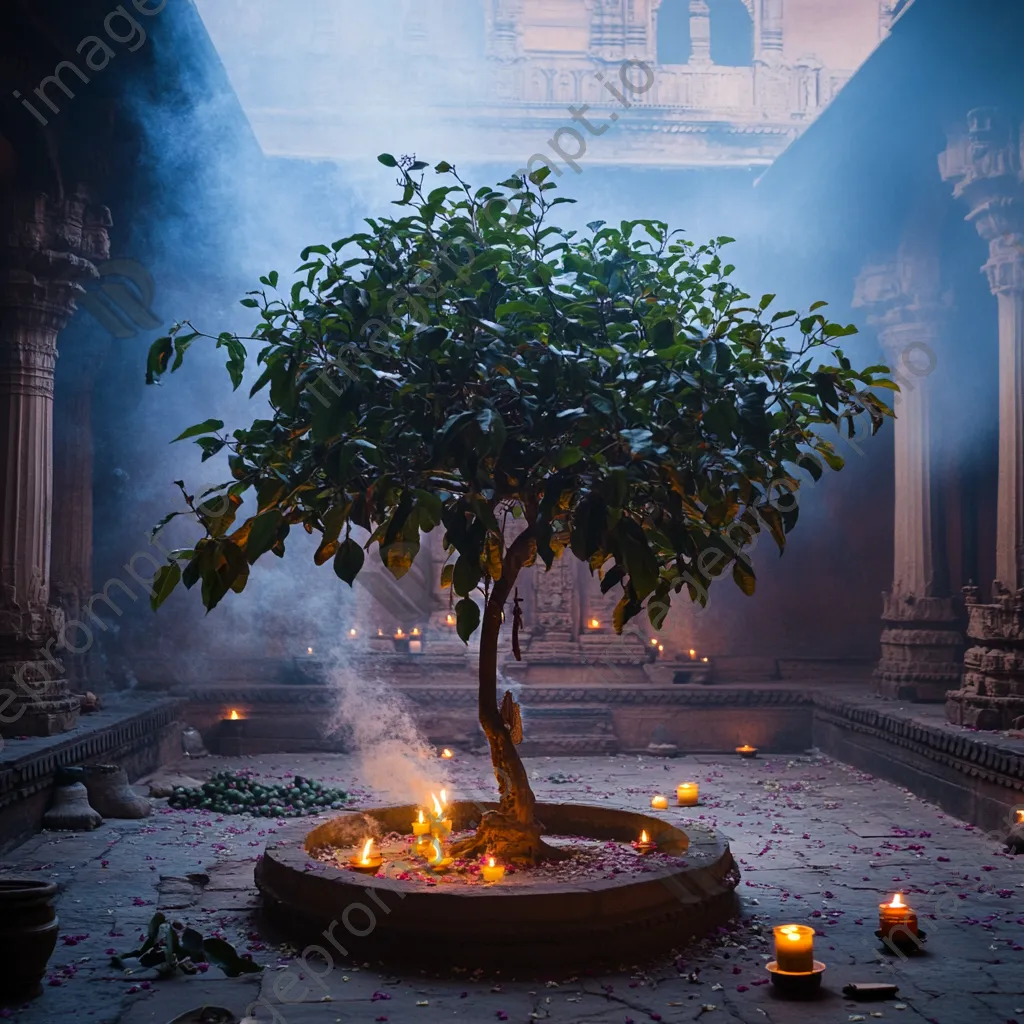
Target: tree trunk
512	833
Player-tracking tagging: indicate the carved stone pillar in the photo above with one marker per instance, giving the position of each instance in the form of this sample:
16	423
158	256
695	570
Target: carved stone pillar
45	250
71	583
505	29
921	642
768	44
700	32
984	166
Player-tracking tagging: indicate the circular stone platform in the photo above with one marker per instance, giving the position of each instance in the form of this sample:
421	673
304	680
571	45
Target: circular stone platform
612	920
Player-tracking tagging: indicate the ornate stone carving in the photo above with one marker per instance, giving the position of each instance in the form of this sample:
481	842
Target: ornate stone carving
46	249
984	166
921	643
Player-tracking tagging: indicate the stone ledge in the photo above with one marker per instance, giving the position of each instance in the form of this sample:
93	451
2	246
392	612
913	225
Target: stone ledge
139	736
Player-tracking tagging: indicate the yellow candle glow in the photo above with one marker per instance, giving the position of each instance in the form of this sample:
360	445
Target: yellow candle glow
654	641
234	716
1020	817
421	827
440	825
594	623
794	948
644	844
693	654
368	860
353	632
447	754
492	872
687	794
896	914
747	750
309	650
449	619
659	802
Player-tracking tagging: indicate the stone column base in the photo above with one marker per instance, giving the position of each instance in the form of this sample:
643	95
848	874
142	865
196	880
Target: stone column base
922	648
42	705
992	694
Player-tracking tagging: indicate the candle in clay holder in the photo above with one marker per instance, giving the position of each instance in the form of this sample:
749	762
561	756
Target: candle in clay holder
492	872
687	794
659	802
794	948
368	861
747	750
421	827
896	915
643	844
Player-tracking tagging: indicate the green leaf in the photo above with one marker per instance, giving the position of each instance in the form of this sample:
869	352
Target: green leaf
164	582
159	355
263	533
743	576
568	456
466	574
663	334
206	427
387	160
348	560
467	618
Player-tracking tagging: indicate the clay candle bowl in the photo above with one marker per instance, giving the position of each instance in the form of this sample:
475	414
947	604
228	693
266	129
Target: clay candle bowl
659	802
687	794
794	948
896	916
643	844
491	871
747	750
368	861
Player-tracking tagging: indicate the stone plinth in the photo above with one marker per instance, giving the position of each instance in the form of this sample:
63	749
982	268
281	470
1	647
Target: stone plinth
992	696
922	648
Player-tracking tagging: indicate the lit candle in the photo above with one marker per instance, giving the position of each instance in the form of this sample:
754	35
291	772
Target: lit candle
594	623
399	635
449	619
421	827
704	659
654	641
234	716
687	794
896	915
1020	817
440	824
309	650
368	860
794	948
436	856
492	872
693	654
447	754
644	844
747	750
659	802
661	648
353	632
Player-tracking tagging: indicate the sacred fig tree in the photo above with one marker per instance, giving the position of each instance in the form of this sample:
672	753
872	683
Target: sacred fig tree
534	392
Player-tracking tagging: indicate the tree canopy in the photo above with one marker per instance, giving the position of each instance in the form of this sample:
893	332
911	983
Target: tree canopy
468	364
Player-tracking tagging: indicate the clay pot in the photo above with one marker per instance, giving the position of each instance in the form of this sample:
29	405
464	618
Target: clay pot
70	810
110	794
28	934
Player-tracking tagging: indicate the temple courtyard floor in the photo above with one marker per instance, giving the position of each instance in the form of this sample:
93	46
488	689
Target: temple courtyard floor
816	841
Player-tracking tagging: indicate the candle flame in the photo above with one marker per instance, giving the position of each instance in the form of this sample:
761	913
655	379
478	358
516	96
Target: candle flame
792	932
365	858
309	650
399	634
234	716
446	754
352	631
490	862
643	836
416	632
703	659
444	797
421	816
897	901
449	619
654	641
595	623
693	653
1020	817
661	648
437	806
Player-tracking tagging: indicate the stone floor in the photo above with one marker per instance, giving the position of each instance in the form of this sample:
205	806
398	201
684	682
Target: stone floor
817	842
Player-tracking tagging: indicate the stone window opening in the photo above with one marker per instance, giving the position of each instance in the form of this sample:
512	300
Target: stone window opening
728	22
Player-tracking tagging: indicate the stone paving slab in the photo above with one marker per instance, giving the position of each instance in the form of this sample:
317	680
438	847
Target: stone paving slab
817	842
